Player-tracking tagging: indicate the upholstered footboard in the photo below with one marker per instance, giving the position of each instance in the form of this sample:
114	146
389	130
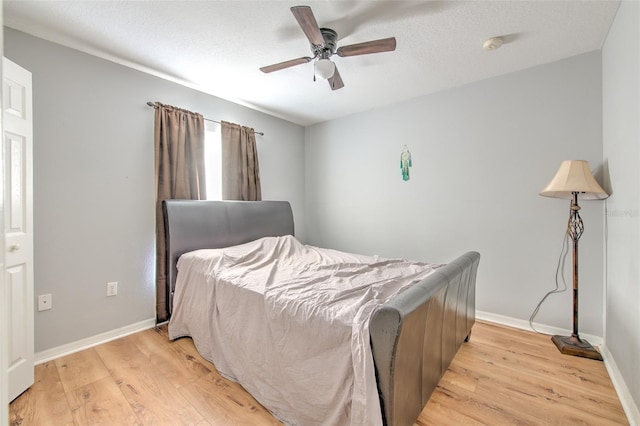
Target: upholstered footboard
415	336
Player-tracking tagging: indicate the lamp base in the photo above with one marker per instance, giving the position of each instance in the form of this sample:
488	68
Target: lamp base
574	345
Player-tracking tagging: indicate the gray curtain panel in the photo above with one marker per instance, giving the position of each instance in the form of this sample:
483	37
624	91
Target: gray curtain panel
180	174
240	171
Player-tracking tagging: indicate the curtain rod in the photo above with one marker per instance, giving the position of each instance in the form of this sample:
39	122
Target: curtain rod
153	105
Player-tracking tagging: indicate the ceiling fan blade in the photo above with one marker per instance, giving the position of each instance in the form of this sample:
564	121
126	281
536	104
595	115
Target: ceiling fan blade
307	22
375	46
285	64
335	81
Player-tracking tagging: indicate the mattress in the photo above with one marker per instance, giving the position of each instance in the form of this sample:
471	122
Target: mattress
290	323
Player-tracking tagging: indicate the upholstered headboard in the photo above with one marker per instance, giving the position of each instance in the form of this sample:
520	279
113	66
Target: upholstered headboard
193	225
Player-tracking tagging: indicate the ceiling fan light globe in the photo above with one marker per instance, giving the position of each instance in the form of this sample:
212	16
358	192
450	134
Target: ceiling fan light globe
325	68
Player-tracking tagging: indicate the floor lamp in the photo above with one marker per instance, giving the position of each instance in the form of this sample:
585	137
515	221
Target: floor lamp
573	180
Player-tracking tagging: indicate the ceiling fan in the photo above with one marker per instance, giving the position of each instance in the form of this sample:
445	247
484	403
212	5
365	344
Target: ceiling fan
324	45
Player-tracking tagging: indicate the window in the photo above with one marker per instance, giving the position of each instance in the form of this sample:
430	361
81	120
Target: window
213	161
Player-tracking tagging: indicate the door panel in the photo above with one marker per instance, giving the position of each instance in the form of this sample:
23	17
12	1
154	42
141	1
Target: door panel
15	280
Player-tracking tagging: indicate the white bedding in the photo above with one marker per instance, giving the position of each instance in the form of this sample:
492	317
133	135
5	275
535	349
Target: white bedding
290	323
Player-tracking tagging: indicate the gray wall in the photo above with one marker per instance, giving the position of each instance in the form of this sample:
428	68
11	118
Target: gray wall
481	153
94	190
621	130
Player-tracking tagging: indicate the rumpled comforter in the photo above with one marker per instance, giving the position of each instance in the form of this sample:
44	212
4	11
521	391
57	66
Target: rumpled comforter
290	323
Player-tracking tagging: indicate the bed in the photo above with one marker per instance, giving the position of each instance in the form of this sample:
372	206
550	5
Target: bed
409	339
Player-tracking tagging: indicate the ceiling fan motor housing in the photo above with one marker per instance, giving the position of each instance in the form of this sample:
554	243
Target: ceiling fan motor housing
330	44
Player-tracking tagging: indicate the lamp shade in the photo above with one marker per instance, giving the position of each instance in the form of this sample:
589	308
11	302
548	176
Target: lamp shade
574	176
325	68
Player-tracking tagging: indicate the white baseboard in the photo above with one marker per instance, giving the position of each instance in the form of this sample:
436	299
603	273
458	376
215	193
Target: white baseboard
628	404
542	328
77	346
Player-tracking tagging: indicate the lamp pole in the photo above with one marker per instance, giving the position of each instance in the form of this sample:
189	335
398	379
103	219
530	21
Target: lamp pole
575	228
573	345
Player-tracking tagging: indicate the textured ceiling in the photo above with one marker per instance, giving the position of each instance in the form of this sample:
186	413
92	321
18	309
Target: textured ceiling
218	46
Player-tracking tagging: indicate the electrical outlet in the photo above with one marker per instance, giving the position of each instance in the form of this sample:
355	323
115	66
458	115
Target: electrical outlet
45	302
112	289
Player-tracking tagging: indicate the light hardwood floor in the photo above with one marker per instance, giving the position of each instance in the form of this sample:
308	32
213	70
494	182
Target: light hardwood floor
503	376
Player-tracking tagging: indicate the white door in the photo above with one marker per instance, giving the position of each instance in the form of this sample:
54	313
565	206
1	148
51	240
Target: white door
18	223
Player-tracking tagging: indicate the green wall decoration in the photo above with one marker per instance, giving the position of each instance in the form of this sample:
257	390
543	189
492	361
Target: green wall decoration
405	163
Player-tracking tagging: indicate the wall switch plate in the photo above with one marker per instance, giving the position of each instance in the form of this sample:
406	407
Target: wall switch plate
45	302
112	289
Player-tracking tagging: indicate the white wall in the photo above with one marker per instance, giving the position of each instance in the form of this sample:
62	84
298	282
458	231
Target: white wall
621	140
94	191
481	153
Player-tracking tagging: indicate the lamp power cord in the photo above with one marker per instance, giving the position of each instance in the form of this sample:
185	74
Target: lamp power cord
559	279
